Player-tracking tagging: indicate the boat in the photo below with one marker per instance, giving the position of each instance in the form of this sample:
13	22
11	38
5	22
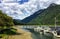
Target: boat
55	32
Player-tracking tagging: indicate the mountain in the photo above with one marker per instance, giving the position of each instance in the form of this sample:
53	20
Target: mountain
5	20
41	17
28	19
21	9
47	17
31	9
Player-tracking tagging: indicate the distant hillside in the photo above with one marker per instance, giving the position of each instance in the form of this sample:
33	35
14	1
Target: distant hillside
28	19
48	16
5	20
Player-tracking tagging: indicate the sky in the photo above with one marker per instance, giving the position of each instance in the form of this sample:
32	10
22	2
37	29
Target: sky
20	9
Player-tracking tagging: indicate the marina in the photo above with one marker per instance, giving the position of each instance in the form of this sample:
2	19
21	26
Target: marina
43	32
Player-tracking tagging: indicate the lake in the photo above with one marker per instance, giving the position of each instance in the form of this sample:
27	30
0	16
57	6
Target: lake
36	35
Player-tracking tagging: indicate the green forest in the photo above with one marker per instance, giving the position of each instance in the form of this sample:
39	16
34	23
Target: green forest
47	17
5	20
6	25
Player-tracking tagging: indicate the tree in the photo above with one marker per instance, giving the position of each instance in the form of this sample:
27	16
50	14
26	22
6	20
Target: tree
5	20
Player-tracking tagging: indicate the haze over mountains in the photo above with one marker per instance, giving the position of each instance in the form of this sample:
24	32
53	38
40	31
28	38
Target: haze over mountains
19	9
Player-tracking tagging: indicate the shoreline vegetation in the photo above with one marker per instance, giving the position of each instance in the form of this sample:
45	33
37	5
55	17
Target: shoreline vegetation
22	34
6	23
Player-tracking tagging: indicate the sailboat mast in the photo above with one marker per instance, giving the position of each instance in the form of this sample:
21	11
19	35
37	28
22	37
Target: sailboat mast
55	23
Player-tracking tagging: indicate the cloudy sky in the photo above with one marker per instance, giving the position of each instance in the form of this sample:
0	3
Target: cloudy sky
20	9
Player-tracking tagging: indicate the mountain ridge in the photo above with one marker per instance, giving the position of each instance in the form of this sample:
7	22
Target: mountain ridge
45	15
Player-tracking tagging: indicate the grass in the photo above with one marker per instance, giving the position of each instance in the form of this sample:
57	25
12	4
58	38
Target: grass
4	33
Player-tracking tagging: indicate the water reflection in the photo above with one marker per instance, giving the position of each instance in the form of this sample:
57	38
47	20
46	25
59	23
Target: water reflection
37	35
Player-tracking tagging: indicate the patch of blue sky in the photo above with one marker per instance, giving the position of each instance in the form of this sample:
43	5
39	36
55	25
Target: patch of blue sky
22	1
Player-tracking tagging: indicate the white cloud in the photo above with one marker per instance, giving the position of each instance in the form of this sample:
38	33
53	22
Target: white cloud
57	2
21	11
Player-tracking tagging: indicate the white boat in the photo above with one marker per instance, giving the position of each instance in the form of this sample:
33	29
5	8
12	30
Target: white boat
55	33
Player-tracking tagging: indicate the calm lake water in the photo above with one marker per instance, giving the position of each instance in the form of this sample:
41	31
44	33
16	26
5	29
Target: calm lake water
36	35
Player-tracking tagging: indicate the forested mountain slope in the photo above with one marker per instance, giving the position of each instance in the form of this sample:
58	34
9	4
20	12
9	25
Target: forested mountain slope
48	16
